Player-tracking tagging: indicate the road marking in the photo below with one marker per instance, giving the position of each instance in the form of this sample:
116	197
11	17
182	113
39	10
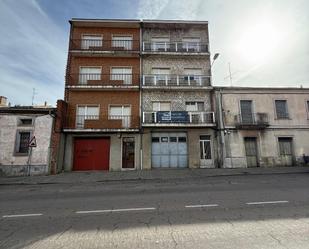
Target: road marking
265	202
20	215
202	205
115	210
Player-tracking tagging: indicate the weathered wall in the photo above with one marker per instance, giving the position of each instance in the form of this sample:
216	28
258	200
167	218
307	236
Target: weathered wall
115	162
176	34
13	164
178	99
176	64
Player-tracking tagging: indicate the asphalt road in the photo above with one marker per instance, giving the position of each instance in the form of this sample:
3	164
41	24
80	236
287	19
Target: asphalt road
269	211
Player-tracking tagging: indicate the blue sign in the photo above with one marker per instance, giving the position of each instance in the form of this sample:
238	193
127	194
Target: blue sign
172	117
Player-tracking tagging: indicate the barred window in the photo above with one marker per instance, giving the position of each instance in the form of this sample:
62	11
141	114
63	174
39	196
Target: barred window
285	146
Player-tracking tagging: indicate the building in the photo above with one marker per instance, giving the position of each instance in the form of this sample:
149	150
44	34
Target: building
19	125
177	111
101	131
263	127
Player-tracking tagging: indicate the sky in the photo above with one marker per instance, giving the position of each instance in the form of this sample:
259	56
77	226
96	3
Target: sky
261	42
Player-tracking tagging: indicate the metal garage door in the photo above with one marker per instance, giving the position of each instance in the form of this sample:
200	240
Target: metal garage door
169	150
91	154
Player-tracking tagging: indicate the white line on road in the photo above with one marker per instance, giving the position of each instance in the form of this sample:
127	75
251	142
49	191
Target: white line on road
115	210
265	202
20	215
202	205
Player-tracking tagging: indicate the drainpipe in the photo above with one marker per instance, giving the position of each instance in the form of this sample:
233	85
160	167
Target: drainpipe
221	128
140	93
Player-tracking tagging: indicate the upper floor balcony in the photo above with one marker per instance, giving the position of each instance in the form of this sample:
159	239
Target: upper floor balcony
102	47
189	48
102	122
176	81
251	121
178	118
97	80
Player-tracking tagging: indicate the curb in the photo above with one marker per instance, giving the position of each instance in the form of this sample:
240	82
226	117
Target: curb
244	173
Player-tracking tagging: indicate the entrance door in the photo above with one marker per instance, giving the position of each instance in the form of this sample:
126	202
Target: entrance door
205	152
286	150
128	153
251	152
169	150
246	111
91	154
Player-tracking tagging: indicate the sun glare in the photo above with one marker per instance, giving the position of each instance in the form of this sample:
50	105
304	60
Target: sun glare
259	42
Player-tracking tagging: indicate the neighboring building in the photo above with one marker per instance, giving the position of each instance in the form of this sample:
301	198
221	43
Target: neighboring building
102	96
3	101
263	126
18	125
178	124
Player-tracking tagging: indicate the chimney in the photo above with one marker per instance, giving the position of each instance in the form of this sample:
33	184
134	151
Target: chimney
3	101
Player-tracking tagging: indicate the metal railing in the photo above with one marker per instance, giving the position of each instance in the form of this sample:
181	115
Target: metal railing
182	47
176	80
102	122
152	117
252	119
104	45
103	79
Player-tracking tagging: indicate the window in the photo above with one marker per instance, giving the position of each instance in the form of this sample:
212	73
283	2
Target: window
121	112
160	44
22	142
161	75
205	147
155	139
161	106
191	44
281	109
164	139
195	106
124	42
89	73
308	109
25	121
173	139
86	113
182	139
285	146
91	41
123	74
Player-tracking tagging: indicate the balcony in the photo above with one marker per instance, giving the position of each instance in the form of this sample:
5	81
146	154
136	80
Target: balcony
253	121
100	46
175	47
177	81
103	81
102	122
178	118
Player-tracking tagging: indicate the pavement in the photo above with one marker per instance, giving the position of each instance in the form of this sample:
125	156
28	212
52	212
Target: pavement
256	211
155	174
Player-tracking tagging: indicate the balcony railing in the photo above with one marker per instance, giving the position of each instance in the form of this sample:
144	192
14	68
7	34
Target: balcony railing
180	117
102	122
104	45
181	47
176	80
104	79
252	120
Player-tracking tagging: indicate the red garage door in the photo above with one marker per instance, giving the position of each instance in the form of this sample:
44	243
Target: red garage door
91	154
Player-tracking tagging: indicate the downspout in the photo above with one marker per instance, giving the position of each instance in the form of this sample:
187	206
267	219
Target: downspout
140	93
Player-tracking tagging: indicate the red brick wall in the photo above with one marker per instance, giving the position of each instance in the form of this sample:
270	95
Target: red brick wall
103	99
56	134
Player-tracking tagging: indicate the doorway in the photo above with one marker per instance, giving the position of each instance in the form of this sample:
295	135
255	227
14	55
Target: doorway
128	153
251	152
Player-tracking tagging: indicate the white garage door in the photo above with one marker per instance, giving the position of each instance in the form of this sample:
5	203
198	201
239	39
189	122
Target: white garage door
169	150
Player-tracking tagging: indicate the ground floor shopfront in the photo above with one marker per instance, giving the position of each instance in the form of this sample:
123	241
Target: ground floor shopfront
265	148
178	148
101	151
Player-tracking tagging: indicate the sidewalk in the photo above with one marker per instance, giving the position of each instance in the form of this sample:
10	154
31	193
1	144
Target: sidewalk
157	174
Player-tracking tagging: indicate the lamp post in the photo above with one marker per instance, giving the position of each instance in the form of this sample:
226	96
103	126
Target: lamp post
214	59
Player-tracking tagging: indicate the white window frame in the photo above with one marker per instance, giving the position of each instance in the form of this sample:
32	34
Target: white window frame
287	109
160	102
126	80
130	45
84	81
188	45
86	46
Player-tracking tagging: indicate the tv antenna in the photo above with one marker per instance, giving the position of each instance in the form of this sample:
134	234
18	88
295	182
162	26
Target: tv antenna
33	94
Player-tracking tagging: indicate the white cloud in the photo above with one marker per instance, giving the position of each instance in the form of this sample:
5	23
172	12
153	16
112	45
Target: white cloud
32	53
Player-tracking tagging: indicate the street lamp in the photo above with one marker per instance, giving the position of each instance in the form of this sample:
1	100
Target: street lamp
215	57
